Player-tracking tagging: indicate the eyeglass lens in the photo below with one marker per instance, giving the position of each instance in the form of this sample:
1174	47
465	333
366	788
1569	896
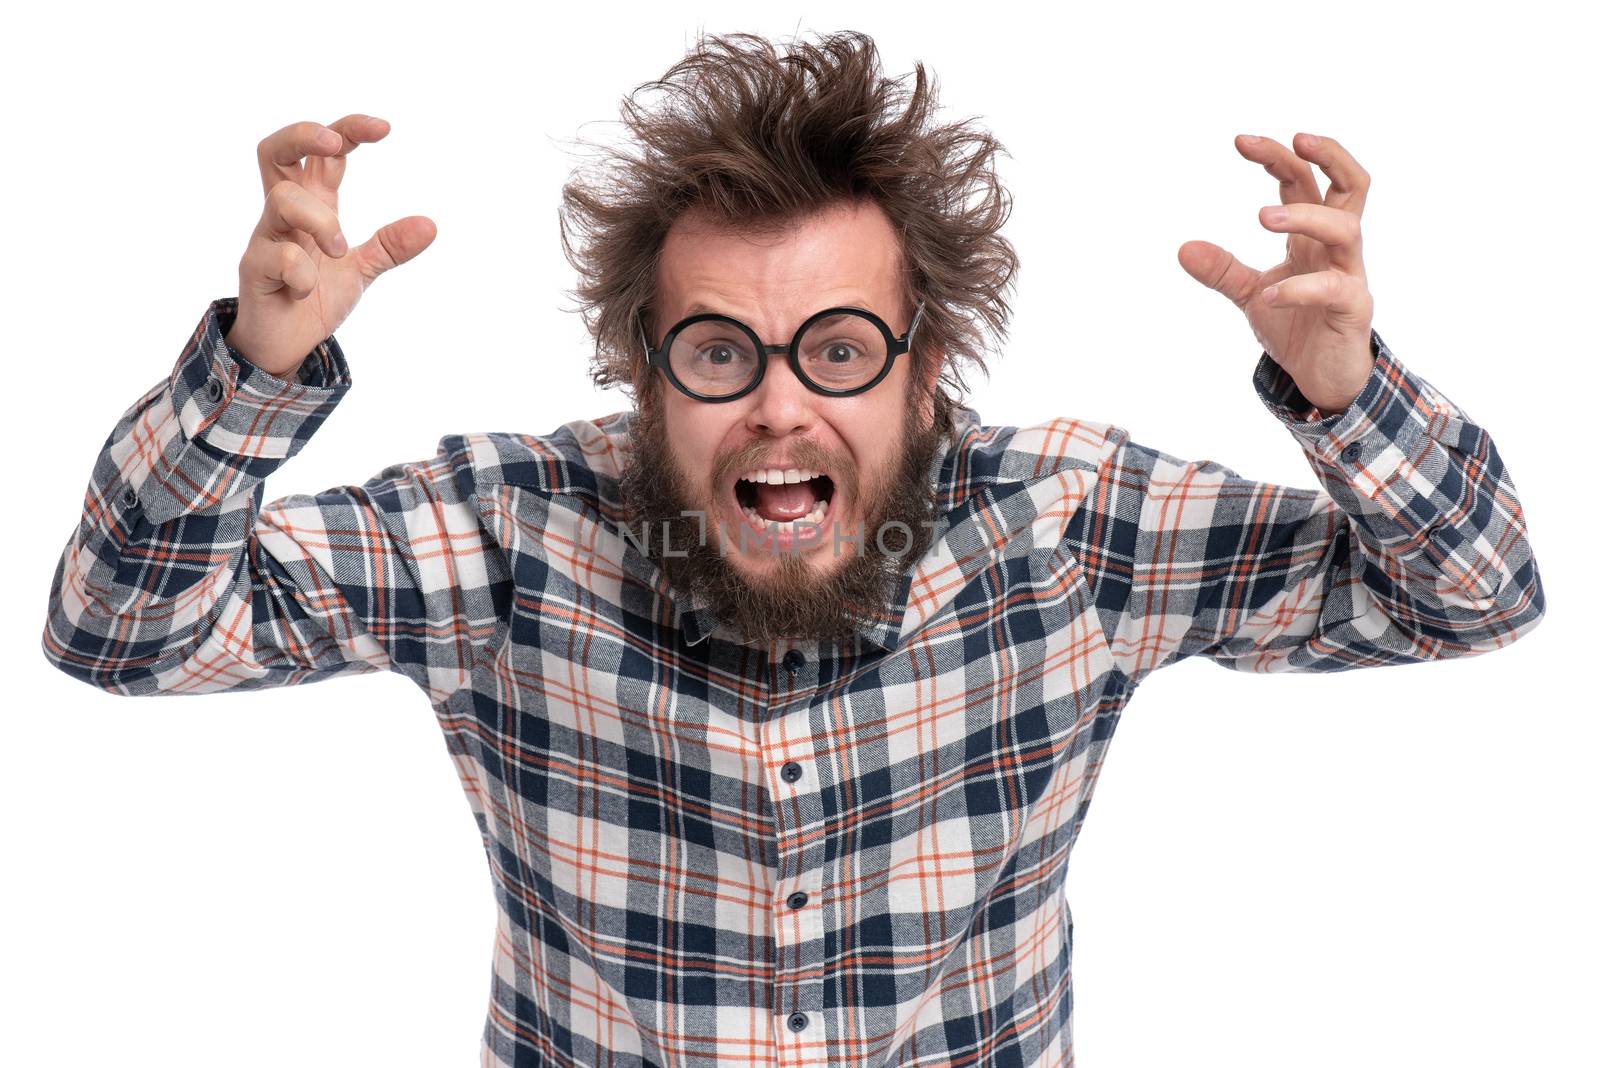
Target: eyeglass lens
837	352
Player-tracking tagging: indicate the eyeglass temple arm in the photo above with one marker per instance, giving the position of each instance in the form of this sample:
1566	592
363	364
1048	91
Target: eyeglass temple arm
649	353
902	347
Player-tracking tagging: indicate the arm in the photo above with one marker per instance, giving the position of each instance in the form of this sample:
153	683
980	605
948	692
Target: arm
179	580
1416	548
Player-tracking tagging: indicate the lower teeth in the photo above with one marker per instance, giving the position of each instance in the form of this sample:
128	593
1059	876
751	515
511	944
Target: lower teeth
813	518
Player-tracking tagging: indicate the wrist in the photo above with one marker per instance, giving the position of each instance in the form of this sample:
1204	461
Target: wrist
286	368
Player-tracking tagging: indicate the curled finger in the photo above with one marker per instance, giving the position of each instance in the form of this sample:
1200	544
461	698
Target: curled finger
1348	180
290	208
1334	290
278	155
327	170
1296	183
269	266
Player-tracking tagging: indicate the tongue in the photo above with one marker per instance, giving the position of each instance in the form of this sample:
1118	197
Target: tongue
786	502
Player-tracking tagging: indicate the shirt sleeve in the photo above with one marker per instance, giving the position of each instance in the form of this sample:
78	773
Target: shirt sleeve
178	579
1416	547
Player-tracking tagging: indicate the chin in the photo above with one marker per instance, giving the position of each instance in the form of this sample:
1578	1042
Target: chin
766	567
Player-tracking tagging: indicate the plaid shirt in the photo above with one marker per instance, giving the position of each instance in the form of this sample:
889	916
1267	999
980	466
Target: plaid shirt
807	854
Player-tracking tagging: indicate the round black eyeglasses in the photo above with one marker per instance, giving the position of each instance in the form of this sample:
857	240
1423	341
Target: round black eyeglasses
838	352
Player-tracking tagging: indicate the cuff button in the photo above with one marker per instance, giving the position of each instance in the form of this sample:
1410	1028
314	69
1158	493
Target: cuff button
1351	453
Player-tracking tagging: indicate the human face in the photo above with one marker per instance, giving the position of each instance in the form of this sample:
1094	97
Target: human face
846	256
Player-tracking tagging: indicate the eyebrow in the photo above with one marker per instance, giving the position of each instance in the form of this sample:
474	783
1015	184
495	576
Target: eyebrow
697	308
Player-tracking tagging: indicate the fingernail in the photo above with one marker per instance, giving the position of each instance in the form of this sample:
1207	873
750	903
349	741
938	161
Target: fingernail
1275	215
1269	294
339	247
329	139
1312	140
1249	139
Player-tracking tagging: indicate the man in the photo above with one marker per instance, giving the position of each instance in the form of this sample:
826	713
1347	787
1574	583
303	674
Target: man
779	700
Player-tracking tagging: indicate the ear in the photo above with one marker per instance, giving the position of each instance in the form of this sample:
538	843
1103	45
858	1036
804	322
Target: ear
932	363
926	365
643	381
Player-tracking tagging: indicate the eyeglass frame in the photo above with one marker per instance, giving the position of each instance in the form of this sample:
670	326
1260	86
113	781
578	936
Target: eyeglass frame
896	346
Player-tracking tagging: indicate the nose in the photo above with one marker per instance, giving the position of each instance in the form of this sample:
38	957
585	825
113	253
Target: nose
781	404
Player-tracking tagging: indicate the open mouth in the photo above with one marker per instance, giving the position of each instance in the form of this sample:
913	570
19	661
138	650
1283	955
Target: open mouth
786	496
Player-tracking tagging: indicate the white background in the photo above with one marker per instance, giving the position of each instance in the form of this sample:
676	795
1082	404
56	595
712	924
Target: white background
293	876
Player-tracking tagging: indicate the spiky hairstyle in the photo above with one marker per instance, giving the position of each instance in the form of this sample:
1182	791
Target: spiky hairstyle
757	141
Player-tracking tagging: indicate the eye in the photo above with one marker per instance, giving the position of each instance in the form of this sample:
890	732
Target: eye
718	354
837	352
842	351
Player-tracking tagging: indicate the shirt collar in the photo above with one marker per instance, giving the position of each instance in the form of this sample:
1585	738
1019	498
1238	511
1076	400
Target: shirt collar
697	622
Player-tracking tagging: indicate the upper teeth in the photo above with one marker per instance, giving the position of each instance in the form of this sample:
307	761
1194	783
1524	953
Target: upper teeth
777	475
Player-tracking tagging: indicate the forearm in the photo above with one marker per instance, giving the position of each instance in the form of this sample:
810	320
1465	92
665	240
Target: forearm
170	508
1435	534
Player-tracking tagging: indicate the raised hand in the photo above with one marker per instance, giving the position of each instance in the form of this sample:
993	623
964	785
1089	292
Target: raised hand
1311	313
298	279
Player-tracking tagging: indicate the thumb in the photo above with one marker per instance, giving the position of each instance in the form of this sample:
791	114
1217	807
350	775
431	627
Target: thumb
394	244
1217	268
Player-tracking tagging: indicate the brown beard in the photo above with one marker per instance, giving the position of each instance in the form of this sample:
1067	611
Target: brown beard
792	601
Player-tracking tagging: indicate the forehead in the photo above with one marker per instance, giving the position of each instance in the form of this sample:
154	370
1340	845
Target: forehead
847	254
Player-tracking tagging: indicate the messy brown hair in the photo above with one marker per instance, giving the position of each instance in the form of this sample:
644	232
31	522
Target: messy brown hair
757	141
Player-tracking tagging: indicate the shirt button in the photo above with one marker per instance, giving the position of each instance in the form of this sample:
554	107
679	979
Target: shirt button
798	899
1351	453
790	772
213	389
793	661
797	1021
130	497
